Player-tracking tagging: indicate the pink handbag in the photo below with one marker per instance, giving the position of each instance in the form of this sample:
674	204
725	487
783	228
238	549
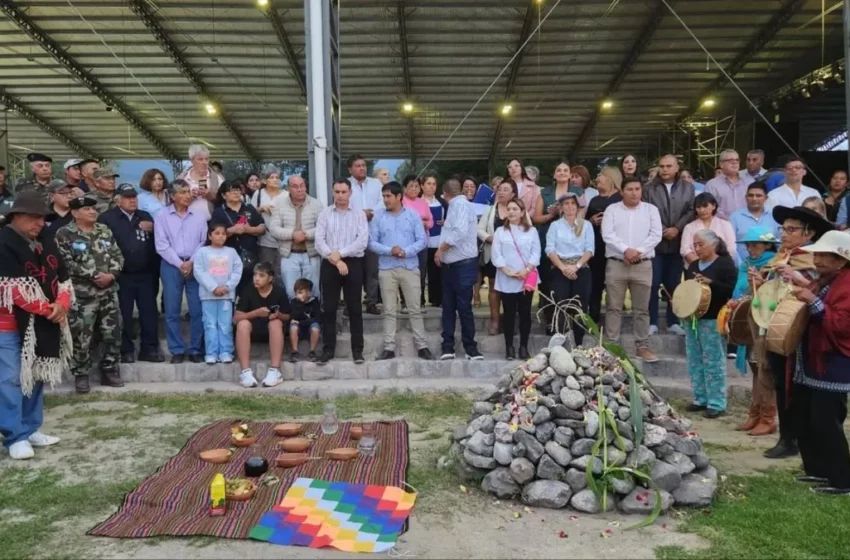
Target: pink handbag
531	279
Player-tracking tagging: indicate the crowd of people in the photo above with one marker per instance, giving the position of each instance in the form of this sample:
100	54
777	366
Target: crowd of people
260	262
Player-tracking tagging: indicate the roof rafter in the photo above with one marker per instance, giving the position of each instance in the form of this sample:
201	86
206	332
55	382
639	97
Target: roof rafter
147	17
642	42
14	104
405	68
31	29
512	77
286	46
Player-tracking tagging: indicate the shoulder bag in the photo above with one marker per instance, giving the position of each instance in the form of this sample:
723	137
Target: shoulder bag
530	282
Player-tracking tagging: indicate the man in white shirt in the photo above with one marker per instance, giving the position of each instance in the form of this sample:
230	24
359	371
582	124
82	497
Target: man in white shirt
755	165
366	196
793	192
631	230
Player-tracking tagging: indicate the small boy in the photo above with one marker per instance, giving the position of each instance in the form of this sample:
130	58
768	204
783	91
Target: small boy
260	315
306	313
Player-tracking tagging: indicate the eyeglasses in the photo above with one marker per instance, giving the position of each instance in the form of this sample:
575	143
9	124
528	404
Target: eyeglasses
791	229
735	160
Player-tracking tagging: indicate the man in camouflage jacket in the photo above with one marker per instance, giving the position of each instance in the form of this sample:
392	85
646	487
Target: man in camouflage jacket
94	262
42	171
103	192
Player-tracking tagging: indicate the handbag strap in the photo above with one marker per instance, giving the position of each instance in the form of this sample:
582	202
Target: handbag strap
517	247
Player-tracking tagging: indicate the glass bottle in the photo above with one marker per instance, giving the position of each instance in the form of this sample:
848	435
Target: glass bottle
330	420
368	440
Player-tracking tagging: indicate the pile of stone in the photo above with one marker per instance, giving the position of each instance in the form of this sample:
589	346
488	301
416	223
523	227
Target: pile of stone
533	438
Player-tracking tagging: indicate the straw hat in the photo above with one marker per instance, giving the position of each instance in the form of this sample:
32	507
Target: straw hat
835	242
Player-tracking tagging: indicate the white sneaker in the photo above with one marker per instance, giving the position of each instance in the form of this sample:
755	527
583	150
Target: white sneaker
677	330
273	378
39	439
247	379
653	329
211	360
21	450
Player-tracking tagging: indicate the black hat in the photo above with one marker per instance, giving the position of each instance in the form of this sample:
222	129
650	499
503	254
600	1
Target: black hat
82	202
812	219
36	157
29	202
126	189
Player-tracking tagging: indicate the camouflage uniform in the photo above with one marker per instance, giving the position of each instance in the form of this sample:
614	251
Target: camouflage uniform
95	309
30	184
104	201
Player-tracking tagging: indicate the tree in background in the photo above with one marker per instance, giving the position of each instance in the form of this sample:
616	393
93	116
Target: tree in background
240	168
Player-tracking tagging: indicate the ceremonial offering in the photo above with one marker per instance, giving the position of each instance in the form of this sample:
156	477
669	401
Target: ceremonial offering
691	299
242	436
256	466
289	460
342	454
240	490
287	430
296	445
786	326
740	325
215	456
218	496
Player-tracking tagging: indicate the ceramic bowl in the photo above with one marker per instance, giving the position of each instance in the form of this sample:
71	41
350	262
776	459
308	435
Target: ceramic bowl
243	497
288	430
296	445
289	460
342	454
244	442
216	456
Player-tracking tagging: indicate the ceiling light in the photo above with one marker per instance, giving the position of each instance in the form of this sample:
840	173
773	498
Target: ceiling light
210	109
709	103
607	104
506	109
805	93
407	107
262	2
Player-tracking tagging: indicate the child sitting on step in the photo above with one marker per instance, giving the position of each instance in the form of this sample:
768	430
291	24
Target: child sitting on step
260	314
306	314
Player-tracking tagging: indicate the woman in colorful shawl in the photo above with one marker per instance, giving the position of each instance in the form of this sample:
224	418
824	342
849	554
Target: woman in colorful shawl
822	368
761	248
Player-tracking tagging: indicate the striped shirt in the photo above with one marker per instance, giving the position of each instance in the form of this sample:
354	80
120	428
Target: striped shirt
460	231
345	231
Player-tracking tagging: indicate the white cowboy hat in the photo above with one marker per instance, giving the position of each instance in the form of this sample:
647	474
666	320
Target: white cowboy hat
835	242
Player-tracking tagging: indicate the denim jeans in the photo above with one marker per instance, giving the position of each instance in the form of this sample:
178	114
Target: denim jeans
458	281
297	266
173	285
218	327
667	270
20	416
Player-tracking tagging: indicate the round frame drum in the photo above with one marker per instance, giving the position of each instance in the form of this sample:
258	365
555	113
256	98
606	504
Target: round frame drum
691	299
786	327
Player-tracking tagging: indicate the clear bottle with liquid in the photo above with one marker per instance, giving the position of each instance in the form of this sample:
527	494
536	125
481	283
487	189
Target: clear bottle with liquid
330	420
368	440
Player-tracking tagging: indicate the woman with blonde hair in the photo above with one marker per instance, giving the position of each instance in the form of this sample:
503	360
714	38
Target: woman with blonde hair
815	203
487	226
608	184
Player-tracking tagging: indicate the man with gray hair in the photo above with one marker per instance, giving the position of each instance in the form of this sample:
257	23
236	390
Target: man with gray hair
203	181
729	188
755	165
293	224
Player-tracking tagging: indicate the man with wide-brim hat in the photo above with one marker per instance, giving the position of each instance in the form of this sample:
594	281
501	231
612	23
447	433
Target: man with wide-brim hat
798	227
35	341
822	368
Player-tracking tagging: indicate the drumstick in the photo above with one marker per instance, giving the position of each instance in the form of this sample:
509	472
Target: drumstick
666	293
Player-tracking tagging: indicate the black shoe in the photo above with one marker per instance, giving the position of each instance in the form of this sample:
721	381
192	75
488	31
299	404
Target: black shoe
293	357
811	479
153	357
327	356
196	358
177	358
425	354
830	491
312	356
711	414
372	309
128	358
509	353
385	355
694	407
358	357
781	450
345	312
474	355
111	379
523	353
81	384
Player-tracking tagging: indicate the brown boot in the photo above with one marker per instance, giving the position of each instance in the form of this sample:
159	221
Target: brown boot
111	379
81	384
752	419
767	422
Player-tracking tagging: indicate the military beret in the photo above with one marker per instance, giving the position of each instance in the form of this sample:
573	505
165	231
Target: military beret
35	157
82	202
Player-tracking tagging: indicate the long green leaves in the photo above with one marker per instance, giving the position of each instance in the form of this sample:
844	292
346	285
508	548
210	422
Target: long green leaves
635	400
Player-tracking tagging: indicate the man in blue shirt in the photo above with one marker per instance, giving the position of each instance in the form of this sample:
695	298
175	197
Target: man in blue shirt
397	236
753	215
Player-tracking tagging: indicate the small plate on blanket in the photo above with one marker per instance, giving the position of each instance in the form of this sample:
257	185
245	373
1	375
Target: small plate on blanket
288	430
216	456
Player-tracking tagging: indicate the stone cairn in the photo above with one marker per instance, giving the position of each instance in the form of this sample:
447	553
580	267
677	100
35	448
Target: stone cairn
533	437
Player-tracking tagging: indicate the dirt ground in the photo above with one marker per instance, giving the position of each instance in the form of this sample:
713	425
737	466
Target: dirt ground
122	441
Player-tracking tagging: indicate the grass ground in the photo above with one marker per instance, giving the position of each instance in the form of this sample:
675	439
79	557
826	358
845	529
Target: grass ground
111	443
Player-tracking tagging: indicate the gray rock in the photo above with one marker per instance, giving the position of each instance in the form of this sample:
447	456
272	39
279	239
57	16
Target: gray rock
479	461
646	397
688	446
580	432
592	424
502	416
581	447
625	429
577	479
665	476
656	410
581	360
607	390
653	435
662	450
616	457
533	448
708	472
542	415
562	362
559	454
548	402
624	413
667	423
503	433
545	431
572	383
503	453
623	485
517	375
504	381
499	482
628	445
468	473
544	380
459	433
572	399
481	444
548	469
593	371
616	385
581	464
586	381
696	490
608	379
672	439
546	493
537	364
484	423
531	407
522	470
520	450
681	461
585	501
700	460
613	406
563	436
482	407
525	421
561	411
555	388
642	501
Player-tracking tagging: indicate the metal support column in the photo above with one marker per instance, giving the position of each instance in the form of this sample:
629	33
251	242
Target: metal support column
321	22
847	71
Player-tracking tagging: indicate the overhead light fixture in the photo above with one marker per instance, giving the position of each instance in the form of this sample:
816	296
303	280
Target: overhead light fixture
263	3
407	107
709	103
211	110
506	109
806	93
607	104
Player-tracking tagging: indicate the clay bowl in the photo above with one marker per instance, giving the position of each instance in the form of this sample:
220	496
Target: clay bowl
215	456
243	497
288	430
295	445
289	460
342	454
355	433
244	442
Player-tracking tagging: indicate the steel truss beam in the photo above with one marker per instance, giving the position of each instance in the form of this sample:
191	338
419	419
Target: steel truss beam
408	86
147	17
28	26
642	42
13	104
286	46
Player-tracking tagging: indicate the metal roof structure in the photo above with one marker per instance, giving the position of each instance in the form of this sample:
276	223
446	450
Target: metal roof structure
144	78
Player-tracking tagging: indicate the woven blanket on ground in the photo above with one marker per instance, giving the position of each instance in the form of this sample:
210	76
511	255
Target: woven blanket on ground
175	499
348	517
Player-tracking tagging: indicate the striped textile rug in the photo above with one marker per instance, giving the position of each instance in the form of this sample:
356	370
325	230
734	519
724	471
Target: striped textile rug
174	500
